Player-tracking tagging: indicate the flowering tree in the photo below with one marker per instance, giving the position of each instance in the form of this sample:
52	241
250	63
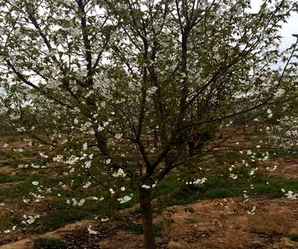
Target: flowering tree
134	89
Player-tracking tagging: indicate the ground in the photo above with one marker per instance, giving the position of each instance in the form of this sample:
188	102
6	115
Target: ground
214	215
220	223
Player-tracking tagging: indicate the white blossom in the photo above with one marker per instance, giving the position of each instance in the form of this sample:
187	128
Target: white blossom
87	185
119	173
85	146
91	231
118	135
124	199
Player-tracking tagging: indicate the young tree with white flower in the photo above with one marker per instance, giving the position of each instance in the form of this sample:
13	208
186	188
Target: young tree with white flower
139	88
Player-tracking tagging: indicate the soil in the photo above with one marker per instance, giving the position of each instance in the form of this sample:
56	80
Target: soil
216	224
212	224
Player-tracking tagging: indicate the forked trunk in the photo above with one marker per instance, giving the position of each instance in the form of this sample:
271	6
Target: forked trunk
146	208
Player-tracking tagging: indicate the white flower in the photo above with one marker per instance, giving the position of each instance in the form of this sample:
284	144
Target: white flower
252	211
269	112
291	195
88	164
72	160
85	146
144	186
30	219
233	176
103	104
119	173
93	198
76	121
271	169
200	181
108	161
34	166
81	202
90	231
252	172
195	182
87	185
43	155
152	90
104	219
280	92
58	158
124	199
118	135
35	183
100	128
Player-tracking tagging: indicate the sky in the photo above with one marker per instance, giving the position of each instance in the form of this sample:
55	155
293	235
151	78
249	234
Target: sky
289	28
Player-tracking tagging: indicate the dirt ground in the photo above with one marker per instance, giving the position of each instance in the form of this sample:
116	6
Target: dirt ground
216	224
231	223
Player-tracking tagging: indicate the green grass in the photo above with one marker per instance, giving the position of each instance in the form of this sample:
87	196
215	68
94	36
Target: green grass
223	187
18	191
49	243
293	237
58	218
287	153
60	214
7	222
9	179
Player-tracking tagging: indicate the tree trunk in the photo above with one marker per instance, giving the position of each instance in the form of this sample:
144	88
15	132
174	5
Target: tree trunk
146	208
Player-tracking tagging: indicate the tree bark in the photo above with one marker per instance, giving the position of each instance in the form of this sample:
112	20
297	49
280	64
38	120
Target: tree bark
146	208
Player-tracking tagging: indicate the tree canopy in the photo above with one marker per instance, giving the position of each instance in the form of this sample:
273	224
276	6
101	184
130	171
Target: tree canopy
144	85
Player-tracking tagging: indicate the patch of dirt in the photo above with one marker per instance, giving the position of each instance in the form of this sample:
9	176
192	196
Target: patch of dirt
222	224
227	224
7	170
287	168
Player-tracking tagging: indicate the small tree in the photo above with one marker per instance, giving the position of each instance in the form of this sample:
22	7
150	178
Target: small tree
147	82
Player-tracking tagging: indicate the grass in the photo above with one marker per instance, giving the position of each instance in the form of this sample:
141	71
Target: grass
11	178
49	243
287	153
293	237
223	187
7	222
58	218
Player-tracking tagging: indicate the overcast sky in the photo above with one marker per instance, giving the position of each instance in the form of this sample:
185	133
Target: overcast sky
289	28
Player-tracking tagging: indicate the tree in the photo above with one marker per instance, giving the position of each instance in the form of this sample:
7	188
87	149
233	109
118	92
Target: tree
149	83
